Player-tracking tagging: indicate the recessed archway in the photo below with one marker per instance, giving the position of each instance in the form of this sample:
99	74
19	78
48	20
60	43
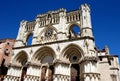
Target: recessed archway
45	56
75	72
74	30
73	54
21	59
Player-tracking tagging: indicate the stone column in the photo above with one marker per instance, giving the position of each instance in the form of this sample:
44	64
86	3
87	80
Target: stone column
47	73
89	72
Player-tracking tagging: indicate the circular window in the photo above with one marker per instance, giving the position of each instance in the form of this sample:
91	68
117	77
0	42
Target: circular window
73	58
49	33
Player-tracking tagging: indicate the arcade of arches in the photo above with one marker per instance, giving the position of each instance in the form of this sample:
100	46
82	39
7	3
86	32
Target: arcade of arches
62	48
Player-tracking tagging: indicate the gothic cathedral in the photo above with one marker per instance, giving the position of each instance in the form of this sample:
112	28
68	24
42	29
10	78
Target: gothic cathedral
62	48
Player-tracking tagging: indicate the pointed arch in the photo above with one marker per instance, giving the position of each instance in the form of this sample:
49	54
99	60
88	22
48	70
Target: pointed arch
74	30
44	54
72	52
72	24
29	37
21	58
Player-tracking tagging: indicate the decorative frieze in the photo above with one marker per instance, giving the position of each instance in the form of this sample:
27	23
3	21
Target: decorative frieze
11	78
89	58
60	77
30	26
31	78
73	16
90	75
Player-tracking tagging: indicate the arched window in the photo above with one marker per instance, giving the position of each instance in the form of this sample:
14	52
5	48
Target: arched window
29	39
74	31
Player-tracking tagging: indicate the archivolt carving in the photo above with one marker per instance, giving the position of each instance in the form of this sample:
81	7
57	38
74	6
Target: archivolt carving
48	34
21	58
44	55
73	53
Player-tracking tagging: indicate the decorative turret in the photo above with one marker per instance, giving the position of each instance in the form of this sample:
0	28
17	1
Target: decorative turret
86	21
20	37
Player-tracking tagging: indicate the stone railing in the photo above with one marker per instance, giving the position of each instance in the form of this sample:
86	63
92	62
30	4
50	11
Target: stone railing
73	16
53	20
11	78
30	26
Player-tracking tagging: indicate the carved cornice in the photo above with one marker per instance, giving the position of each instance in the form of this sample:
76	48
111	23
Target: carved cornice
15	65
61	62
33	64
89	58
53	42
51	12
114	68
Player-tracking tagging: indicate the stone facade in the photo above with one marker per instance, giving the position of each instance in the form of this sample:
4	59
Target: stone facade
62	49
6	46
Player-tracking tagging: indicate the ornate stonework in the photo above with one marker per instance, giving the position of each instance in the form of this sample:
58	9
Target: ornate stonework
62	49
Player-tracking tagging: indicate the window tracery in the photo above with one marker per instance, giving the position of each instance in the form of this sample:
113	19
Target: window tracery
48	34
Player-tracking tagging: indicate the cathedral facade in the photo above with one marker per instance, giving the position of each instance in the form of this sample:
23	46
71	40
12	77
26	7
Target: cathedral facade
62	49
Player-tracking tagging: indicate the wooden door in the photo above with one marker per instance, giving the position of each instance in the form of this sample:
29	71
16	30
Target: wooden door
75	72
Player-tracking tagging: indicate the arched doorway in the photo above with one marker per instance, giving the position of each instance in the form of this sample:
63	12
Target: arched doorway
43	73
48	70
21	59
50	73
45	56
75	72
73	54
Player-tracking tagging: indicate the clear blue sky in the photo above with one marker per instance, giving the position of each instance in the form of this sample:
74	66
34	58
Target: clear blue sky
105	17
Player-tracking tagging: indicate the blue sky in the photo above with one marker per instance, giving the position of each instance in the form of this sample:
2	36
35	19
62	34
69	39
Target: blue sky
105	17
